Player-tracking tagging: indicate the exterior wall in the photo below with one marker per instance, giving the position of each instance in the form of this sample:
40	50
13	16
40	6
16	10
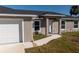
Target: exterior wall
43	26
56	26
10	18
69	26
28	29
13	21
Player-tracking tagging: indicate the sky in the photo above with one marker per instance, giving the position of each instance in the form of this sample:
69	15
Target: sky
64	9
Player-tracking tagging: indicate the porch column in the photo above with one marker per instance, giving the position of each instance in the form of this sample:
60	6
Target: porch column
59	26
47	24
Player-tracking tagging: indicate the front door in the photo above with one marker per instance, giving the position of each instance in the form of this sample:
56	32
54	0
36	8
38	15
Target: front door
55	27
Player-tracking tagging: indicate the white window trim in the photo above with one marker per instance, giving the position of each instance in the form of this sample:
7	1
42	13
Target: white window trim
39	25
75	28
61	25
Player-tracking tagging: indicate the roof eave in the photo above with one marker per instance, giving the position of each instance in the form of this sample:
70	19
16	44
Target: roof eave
19	15
70	18
55	15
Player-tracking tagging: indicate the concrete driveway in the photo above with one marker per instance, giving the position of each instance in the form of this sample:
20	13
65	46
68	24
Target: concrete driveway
12	48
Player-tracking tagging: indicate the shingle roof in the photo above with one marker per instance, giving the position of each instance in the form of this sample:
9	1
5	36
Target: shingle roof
6	10
36	12
15	11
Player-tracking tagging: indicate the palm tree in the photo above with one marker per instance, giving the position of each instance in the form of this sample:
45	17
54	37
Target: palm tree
74	10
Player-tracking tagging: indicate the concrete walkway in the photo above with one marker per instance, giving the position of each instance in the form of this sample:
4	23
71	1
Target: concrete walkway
41	41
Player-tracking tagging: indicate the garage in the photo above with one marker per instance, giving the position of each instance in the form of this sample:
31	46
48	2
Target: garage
10	31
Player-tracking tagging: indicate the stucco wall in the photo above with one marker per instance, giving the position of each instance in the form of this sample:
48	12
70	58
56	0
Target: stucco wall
28	29
43	26
69	26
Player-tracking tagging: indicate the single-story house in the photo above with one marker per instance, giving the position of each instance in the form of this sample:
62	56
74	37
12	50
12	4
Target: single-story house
20	25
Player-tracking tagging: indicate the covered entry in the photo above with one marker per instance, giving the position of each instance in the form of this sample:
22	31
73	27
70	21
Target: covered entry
53	26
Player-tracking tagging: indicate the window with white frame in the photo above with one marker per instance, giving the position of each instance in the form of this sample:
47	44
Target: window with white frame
75	24
62	24
37	25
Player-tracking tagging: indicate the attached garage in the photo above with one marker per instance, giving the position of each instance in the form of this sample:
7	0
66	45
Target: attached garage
15	25
9	33
10	30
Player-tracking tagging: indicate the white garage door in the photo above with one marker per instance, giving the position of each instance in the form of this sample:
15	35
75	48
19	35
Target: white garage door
9	33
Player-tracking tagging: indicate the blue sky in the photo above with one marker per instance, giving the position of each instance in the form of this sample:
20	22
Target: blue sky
64	9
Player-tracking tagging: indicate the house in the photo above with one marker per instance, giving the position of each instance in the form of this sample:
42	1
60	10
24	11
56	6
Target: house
20	25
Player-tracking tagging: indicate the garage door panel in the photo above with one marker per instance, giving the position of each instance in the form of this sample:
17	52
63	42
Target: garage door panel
9	33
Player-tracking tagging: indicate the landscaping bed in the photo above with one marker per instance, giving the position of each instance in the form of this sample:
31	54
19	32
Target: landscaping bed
69	42
38	36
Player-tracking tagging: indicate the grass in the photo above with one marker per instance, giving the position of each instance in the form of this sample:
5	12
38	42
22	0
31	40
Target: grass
68	43
38	36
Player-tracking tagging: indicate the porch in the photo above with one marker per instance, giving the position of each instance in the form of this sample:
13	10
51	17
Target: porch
47	25
52	26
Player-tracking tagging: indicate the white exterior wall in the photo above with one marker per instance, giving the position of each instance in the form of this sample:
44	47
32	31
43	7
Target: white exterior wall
69	26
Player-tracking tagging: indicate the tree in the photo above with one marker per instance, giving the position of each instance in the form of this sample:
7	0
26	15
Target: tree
74	10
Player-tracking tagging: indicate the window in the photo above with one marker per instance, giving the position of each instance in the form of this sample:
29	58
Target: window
37	25
62	24
75	24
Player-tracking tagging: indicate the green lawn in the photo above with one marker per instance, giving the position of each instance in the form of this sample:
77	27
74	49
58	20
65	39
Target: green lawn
69	42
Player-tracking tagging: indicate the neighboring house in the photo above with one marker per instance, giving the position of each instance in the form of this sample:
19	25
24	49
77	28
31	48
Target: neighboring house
20	25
